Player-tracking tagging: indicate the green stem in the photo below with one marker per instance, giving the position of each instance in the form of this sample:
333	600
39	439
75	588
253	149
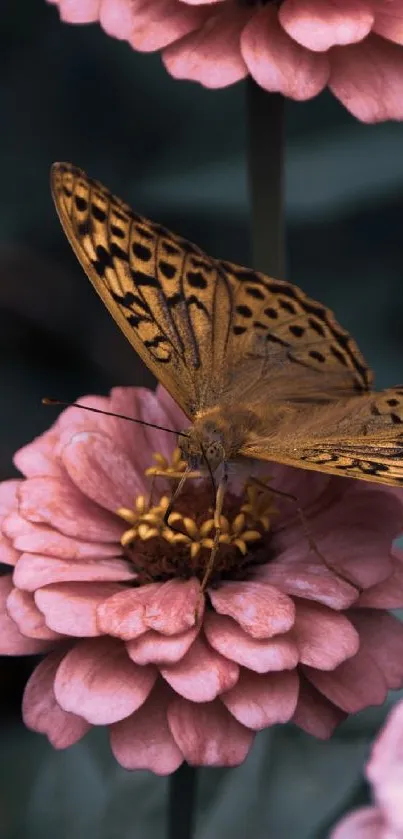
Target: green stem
181	808
265	117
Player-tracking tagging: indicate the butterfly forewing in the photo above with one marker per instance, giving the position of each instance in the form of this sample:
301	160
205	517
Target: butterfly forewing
218	335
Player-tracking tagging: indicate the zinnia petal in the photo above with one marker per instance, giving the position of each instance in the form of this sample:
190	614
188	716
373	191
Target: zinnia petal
207	734
319	24
172	607
324	638
12	642
381	636
157	24
97	680
41	711
279	64
353	685
123	614
365	823
259	608
258	701
41	539
231	641
202	674
58	503
211	55
314	713
389	20
23	610
101	470
154	648
34	571
368	79
144	740
71	608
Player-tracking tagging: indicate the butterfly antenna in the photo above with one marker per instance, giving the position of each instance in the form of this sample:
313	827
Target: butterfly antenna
48	400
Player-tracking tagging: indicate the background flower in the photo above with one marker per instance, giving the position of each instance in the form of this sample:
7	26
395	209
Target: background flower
173	674
384	820
295	48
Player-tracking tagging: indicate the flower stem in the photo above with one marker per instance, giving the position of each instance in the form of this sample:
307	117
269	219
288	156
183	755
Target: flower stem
182	795
265	117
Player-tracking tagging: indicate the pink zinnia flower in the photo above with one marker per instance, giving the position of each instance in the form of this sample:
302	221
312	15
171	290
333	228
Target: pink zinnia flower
383	820
112	595
296	47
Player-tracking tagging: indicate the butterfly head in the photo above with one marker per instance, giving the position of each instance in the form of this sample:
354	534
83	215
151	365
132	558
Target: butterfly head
202	450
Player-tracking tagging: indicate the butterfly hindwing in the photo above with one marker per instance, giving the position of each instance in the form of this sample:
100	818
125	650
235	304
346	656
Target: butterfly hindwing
360	437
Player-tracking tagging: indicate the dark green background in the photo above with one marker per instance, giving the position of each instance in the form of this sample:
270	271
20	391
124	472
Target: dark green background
176	152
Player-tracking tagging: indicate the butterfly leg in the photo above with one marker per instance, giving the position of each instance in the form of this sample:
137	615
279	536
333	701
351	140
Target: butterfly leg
219	501
182	477
305	527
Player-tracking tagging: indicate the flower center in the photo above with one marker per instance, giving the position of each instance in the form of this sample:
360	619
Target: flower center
160	550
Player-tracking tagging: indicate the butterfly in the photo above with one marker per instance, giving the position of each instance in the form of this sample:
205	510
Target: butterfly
261	371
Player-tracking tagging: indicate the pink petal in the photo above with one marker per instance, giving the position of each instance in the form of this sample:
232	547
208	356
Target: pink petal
116	17
354	533
355	684
22	609
39	538
154	648
279	64
38	458
387	594
75	419
174	606
315	714
324	638
78	11
309	580
8	497
211	55
41	711
71	608
140	442
259	701
260	609
12	642
231	641
365	823
161	22
123	614
381	636
368	79
8	554
207	734
389	20
34	571
60	504
144	740
97	680
202	674
319	25
101	470
385	771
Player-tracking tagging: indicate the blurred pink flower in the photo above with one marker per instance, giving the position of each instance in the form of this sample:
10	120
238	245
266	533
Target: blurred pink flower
383	820
132	642
295	47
